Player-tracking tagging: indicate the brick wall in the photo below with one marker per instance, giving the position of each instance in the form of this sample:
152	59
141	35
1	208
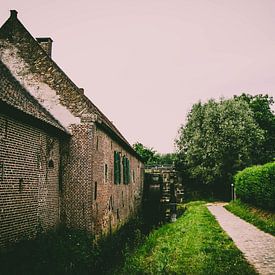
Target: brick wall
114	203
29	172
91	199
83	156
77	177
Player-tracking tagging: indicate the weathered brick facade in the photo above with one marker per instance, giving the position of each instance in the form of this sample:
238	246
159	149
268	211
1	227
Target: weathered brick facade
50	111
29	188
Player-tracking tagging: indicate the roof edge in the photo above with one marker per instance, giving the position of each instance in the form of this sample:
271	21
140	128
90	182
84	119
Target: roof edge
103	126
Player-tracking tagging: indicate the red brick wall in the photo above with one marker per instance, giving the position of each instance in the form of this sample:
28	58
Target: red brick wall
115	203
83	162
77	177
33	205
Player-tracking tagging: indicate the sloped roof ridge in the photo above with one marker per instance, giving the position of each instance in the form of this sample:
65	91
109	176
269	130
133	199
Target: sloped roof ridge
88	101
50	119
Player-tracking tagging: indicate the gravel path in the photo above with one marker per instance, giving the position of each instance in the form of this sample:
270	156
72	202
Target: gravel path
257	246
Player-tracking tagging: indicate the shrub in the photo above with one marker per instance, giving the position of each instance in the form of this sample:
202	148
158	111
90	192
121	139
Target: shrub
256	185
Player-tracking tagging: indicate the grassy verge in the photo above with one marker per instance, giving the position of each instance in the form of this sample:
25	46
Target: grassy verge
195	244
260	218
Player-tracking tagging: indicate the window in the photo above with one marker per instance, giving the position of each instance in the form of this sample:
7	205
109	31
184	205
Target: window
51	163
106	172
1	172
3	128
111	203
128	173
122	198
95	191
117	168
134	176
126	170
97	143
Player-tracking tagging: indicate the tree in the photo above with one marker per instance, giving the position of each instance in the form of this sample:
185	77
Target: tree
151	157
218	139
166	159
148	154
261	105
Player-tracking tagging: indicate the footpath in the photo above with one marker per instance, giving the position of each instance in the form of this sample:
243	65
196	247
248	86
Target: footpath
257	246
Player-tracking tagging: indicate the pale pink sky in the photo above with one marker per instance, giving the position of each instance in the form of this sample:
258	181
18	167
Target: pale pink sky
145	62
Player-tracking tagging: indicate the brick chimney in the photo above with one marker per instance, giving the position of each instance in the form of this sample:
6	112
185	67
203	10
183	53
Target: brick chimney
46	44
13	13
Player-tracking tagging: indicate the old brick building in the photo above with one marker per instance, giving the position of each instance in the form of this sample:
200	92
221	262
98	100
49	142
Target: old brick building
61	159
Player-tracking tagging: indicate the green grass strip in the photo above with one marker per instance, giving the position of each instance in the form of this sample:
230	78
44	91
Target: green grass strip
260	218
194	244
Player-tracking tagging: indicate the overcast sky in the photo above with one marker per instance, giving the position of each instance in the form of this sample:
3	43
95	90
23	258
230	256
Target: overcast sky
144	63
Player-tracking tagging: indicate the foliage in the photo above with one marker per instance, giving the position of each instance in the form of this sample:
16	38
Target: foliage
256	185
262	219
166	159
218	139
194	244
151	157
263	115
147	154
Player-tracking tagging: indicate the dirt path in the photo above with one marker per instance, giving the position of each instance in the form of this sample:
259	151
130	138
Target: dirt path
258	247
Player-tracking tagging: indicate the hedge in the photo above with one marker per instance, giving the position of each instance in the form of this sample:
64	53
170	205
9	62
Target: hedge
256	185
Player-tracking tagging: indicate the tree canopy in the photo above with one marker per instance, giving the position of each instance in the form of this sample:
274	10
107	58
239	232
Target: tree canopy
219	138
261	105
151	157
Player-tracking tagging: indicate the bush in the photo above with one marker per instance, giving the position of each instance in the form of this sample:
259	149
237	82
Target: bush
256	185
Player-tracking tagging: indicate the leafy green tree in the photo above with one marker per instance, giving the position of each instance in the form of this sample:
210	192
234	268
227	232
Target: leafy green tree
148	154
151	157
218	139
166	159
261	106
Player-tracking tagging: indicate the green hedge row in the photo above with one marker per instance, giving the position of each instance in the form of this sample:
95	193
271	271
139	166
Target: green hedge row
256	185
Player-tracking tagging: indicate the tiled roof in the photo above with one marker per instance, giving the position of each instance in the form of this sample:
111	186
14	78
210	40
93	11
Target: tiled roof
13	94
32	66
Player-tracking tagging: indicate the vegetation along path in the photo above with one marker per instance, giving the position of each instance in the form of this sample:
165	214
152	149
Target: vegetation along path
257	246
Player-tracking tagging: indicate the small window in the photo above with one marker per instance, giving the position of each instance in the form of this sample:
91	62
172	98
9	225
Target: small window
106	172
117	168
111	206
51	164
117	214
3	128
126	170
21	181
1	172
95	191
134	180
122	198
97	143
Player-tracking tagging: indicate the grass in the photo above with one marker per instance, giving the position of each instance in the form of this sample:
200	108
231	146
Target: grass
262	219
194	244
